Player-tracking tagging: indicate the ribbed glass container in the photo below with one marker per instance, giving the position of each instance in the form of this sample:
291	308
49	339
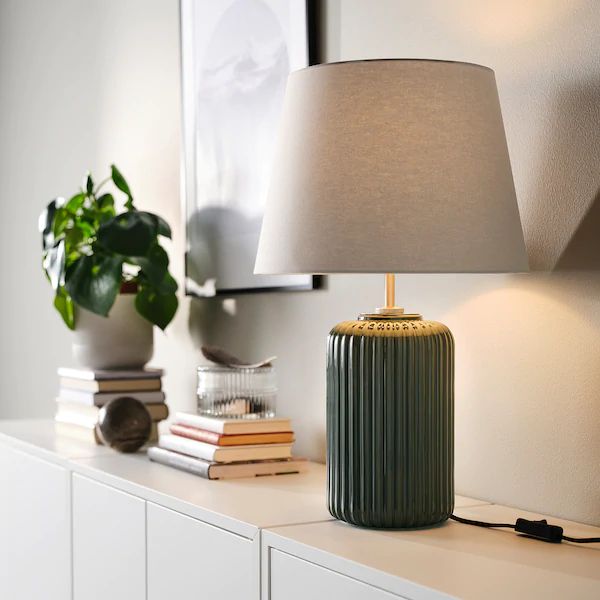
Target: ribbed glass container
244	393
390	422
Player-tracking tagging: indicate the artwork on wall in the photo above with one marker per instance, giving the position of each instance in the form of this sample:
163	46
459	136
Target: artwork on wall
236	56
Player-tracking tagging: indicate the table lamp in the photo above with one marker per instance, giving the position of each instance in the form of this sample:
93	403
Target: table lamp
391	166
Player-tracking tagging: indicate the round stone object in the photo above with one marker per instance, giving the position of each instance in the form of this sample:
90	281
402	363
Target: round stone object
124	424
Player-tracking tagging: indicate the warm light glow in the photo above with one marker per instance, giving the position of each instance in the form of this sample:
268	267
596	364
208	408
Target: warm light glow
511	21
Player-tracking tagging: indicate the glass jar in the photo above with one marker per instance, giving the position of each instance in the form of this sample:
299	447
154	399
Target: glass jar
236	393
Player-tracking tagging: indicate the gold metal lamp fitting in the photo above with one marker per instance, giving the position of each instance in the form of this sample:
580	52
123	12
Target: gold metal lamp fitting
390	309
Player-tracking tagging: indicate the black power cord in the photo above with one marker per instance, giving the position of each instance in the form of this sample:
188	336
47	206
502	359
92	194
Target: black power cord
540	530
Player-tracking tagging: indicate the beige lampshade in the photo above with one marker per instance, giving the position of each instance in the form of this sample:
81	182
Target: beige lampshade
391	166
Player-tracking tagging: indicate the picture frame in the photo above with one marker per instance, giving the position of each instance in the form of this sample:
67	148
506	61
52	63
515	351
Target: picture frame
235	58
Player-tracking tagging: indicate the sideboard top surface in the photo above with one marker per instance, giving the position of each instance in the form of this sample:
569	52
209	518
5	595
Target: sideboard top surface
242	506
41	437
453	559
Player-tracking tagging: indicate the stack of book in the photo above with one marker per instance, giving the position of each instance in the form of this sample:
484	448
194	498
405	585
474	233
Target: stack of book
83	392
228	448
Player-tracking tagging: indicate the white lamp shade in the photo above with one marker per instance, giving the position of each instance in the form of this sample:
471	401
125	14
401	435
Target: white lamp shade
391	166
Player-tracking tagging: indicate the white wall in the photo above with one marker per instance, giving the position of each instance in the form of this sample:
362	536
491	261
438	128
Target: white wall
82	84
96	82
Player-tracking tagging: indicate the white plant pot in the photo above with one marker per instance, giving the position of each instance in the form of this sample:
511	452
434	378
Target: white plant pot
123	340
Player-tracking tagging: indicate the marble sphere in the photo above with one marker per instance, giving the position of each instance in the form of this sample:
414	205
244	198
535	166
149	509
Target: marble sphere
124	424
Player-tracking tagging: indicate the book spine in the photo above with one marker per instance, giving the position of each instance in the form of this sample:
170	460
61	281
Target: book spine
200	422
75	419
187	446
101	398
77	396
184	463
232	426
100	375
113	386
158	412
200	435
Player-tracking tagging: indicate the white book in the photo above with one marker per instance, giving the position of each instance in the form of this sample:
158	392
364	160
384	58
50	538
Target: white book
89	413
102	375
79	431
231	426
210	470
75	419
220	454
87	431
101	398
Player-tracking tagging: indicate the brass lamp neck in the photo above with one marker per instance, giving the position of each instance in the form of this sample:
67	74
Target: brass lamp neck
390	308
390	290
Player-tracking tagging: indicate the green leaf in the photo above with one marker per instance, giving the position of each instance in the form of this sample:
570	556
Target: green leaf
72	256
64	305
163	226
105	201
62	220
130	234
121	184
75	203
106	208
155	307
54	264
168	285
93	282
154	265
86	227
46	223
73	237
89	184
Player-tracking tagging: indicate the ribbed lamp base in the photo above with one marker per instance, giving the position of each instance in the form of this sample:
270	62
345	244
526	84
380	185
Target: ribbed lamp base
390	422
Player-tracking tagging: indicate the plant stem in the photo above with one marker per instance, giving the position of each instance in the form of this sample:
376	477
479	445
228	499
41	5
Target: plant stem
100	185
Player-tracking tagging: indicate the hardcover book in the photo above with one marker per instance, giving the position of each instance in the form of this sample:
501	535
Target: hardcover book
220	454
233	426
85	413
101	398
111	385
212	470
220	439
86	432
102	375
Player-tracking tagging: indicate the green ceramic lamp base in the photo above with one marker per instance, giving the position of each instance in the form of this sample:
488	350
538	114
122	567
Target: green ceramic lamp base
390	421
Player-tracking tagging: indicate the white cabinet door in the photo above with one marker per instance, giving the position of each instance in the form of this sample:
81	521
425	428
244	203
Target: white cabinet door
293	578
190	559
35	531
109	543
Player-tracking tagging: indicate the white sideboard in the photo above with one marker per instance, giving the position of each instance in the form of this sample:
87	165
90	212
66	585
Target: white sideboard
109	542
80	521
35	524
449	561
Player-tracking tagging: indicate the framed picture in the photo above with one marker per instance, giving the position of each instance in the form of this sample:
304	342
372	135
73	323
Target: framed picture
236	57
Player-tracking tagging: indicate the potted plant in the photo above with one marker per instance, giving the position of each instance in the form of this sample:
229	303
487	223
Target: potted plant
109	273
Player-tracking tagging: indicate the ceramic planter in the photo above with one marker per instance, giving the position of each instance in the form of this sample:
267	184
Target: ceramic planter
123	340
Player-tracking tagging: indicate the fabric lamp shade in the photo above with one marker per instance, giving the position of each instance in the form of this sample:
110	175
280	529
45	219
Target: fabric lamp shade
391	166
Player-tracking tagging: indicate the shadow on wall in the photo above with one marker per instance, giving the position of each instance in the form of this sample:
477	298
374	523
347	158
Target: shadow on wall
208	322
582	253
567	185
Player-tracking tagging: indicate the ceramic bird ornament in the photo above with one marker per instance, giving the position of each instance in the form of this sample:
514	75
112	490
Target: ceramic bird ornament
221	357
